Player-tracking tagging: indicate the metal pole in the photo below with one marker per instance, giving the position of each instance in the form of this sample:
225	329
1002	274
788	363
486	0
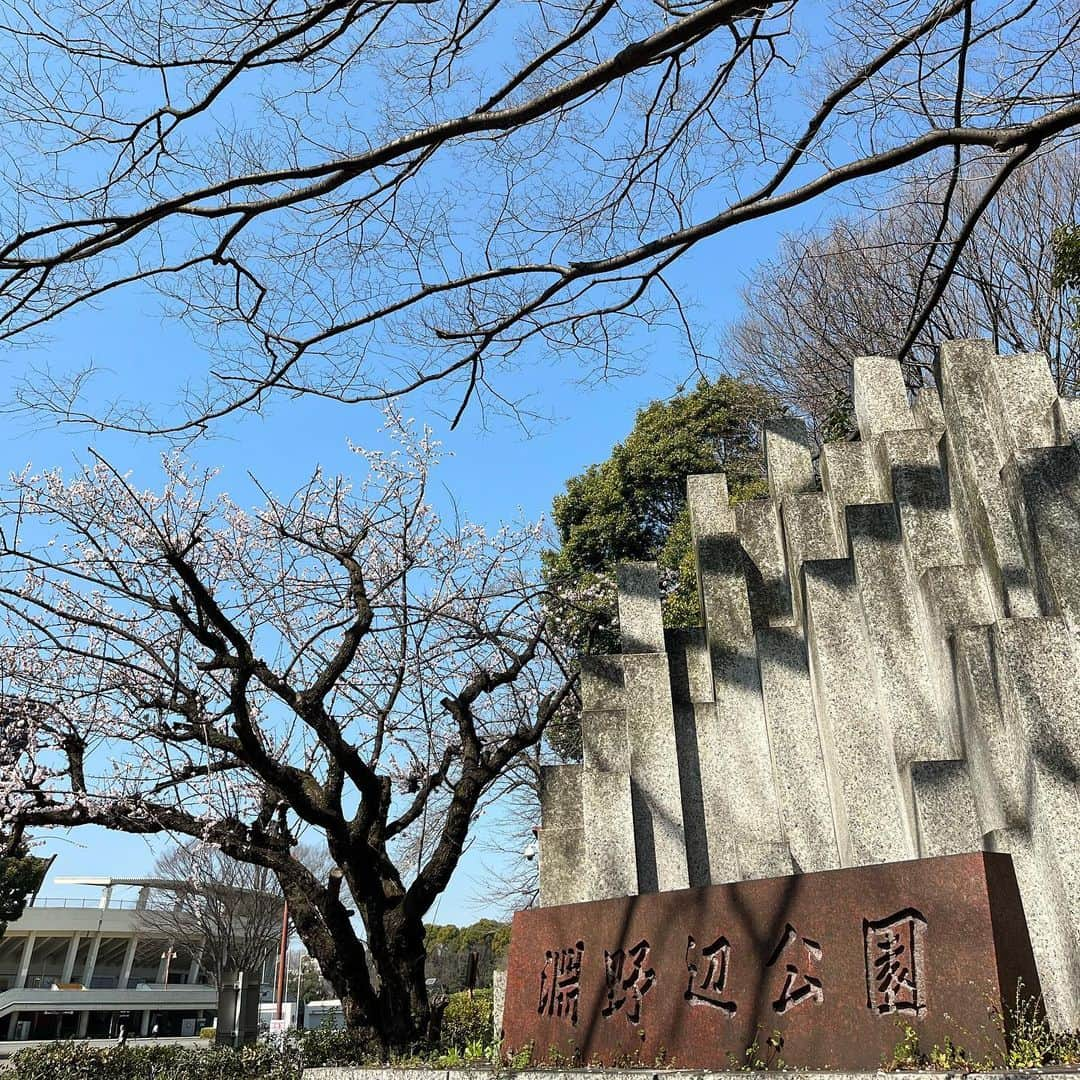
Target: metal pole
279	994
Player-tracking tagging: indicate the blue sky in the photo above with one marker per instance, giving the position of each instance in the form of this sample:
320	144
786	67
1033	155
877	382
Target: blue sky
495	474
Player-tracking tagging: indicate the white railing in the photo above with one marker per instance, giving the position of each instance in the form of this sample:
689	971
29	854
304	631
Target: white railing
84	902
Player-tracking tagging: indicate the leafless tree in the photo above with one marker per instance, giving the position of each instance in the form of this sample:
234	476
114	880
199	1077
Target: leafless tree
343	663
227	913
361	198
857	288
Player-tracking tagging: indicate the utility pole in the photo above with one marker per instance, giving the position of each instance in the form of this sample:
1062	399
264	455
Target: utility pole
279	994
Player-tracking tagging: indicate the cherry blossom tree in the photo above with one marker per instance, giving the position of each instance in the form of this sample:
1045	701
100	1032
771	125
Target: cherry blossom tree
342	664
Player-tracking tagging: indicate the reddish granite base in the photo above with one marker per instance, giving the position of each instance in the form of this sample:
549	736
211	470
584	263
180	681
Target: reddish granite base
833	961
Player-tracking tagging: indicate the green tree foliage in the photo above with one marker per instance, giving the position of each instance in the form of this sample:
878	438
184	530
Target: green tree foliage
21	875
449	947
633	507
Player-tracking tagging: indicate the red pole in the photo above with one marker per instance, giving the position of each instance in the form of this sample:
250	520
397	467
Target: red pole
279	995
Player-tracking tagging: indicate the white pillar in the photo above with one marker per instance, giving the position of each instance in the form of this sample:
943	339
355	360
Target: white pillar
24	961
144	1026
69	958
128	964
84	1020
106	896
91	961
12	1025
193	970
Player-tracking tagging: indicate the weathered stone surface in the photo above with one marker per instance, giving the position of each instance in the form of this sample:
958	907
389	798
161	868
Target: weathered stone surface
796	749
767	581
978	462
787	456
610	856
1053	940
498	1002
995	748
742	763
710	848
870	815
601	682
654	771
897	646
608	850
881	400
849	477
926	408
707	497
725	603
1044	493
1021	394
641	624
561	838
810	536
1066	415
605	741
698	974
913	476
946	820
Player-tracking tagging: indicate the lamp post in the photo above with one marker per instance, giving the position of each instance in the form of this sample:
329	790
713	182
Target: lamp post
167	956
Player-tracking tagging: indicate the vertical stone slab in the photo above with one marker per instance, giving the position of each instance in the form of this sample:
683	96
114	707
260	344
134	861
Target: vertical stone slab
607	808
788	456
913	476
641	623
710	510
735	752
926	408
867	804
710	847
898	645
953	597
977	461
562	854
660	843
995	749
809	536
1040	693
608	848
1044	493
1066	415
610	860
849	477
686	651
1053	939
798	762
946	818
768	585
1021	395
881	400
744	763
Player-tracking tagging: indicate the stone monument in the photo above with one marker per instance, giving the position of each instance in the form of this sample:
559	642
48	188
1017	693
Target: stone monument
887	671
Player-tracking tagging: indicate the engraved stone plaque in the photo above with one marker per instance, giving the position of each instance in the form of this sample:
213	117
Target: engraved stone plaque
826	965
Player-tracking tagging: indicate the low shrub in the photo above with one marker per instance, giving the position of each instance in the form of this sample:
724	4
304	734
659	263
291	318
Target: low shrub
85	1061
467	1020
208	1033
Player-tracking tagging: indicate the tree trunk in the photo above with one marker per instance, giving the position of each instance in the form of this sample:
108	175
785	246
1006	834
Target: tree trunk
397	950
